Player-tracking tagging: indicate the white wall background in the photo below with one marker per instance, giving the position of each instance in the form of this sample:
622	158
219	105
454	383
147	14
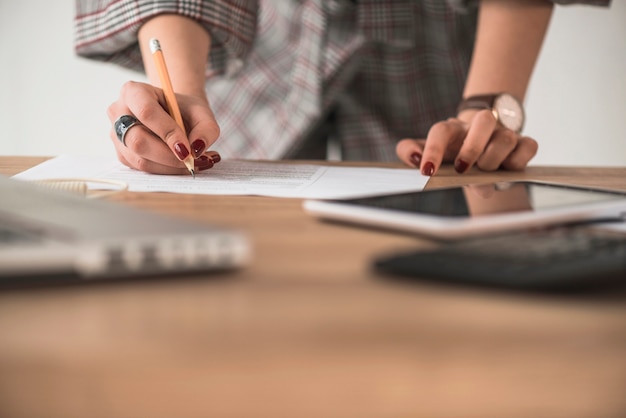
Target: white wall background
52	102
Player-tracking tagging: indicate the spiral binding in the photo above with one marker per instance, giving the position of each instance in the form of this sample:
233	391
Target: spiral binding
81	186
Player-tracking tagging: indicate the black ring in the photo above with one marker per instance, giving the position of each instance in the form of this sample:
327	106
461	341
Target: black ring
122	125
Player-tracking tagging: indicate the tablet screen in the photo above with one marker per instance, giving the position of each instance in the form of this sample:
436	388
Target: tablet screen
488	199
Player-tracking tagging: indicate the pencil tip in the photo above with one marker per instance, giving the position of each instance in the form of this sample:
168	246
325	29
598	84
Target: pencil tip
193	173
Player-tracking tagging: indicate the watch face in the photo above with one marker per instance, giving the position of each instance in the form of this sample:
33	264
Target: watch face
510	112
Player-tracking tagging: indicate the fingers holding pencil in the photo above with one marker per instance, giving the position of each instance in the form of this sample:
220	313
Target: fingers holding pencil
157	144
158	131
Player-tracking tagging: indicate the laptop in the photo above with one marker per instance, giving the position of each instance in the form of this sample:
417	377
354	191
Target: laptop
47	236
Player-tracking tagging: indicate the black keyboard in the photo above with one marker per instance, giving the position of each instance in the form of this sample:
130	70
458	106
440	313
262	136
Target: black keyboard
565	258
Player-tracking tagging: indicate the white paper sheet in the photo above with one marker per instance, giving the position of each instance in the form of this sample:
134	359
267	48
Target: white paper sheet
241	177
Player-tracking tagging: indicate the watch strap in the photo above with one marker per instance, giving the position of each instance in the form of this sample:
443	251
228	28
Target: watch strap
481	101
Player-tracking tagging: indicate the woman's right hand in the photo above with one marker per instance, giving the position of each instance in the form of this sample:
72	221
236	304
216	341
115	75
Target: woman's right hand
157	144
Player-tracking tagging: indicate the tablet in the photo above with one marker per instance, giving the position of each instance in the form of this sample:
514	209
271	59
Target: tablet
475	209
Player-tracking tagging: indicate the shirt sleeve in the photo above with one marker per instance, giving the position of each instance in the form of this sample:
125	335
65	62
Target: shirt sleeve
465	5
107	30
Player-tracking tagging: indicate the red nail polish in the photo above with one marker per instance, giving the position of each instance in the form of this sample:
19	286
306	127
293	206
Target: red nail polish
428	169
416	159
198	147
460	166
216	158
203	163
181	150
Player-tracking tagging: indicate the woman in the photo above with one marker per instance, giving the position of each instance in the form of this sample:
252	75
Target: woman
418	79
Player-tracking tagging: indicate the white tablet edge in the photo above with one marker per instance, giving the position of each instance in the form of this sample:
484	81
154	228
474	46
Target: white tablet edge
451	228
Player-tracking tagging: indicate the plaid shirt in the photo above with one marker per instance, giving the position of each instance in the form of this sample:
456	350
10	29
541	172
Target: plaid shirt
278	70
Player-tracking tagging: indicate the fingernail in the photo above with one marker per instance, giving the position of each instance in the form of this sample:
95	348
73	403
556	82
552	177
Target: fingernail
216	158
428	169
460	166
203	163
181	150
198	147
416	159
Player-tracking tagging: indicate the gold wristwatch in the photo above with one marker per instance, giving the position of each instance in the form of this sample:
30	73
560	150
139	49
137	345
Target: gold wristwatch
506	108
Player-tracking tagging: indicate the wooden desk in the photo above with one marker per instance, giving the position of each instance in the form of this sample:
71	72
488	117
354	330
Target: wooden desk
308	331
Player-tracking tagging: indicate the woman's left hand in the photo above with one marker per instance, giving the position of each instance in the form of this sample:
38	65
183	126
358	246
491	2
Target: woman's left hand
476	139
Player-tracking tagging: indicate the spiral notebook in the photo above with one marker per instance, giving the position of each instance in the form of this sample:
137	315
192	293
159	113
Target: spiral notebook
47	236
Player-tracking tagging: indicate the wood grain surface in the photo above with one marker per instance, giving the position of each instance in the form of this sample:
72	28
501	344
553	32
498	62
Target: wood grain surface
308	330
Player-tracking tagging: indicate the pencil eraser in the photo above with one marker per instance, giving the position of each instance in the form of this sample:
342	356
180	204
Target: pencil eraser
154	45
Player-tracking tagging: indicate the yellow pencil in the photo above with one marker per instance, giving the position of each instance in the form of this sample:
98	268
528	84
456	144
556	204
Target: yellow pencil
170	97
